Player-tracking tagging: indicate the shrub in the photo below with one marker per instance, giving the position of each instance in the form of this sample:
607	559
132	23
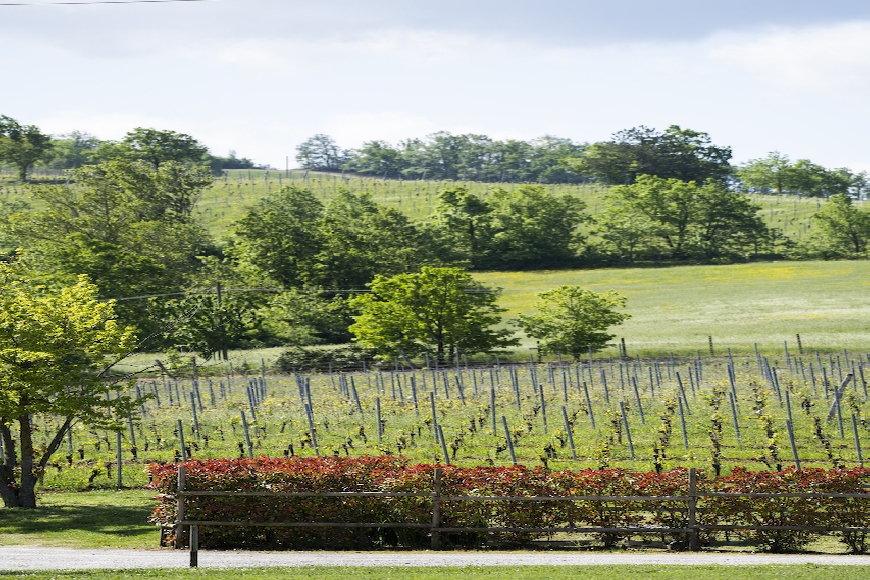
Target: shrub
393	474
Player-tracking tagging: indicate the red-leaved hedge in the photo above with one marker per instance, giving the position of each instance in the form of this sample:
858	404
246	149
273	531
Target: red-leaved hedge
394	474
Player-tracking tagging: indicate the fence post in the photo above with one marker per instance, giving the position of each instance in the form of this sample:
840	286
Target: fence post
194	546
179	513
692	513
436	510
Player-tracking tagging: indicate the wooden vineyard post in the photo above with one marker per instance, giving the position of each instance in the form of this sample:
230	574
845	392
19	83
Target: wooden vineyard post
570	434
120	459
179	512
694	544
436	509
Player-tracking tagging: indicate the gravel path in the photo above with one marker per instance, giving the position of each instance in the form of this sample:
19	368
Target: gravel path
28	558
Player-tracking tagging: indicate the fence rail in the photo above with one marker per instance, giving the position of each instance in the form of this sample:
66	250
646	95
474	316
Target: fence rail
187	530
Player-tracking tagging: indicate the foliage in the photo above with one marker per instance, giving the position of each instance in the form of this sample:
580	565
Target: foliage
526	227
842	230
443	155
161	146
676	153
321	153
22	145
572	320
531	228
280	236
127	226
55	351
298	242
438	309
705	221
776	173
73	150
391	474
303	317
298	358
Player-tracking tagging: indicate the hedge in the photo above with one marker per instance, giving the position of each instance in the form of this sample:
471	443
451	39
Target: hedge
394	474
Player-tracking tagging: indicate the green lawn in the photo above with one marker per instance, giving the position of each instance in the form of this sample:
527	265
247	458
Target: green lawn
97	519
675	309
800	572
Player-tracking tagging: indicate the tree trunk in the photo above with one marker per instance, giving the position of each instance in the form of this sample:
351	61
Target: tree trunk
27	490
8	489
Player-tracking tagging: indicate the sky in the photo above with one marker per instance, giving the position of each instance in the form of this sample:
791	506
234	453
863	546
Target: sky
260	76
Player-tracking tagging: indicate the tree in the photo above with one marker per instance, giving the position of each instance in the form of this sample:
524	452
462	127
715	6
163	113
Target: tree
320	153
157	147
802	177
676	153
377	158
56	350
627	230
463	222
572	320
280	235
532	228
843	229
440	309
127	226
73	150
22	145
707	220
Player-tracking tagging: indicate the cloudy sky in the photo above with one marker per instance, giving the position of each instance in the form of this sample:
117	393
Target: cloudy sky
259	76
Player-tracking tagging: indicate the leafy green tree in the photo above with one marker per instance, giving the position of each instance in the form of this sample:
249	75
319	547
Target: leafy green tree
626	230
766	174
281	236
55	352
73	150
157	147
676	153
22	145
842	229
377	158
776	173
321	153
127	226
463	223
437	309
572	320
533	228
306	317
706	221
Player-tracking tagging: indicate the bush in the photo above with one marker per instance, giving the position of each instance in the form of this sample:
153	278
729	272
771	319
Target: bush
393	474
299	358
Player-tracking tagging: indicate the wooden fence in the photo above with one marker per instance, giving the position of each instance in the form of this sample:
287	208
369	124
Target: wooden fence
187	531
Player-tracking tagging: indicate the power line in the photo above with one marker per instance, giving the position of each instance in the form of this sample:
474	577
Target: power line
95	2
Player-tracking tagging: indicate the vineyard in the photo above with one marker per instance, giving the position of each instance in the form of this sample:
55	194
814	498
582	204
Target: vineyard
713	413
237	190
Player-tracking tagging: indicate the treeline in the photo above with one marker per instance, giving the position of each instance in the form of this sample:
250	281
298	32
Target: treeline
676	153
26	147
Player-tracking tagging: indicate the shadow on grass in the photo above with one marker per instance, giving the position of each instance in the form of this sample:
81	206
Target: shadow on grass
107	520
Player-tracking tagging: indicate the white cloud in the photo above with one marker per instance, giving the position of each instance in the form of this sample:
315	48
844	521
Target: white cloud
823	60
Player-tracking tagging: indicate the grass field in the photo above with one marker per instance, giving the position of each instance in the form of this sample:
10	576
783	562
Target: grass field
663	572
675	309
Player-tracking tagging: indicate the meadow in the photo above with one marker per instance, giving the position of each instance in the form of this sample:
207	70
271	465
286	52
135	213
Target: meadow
676	309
